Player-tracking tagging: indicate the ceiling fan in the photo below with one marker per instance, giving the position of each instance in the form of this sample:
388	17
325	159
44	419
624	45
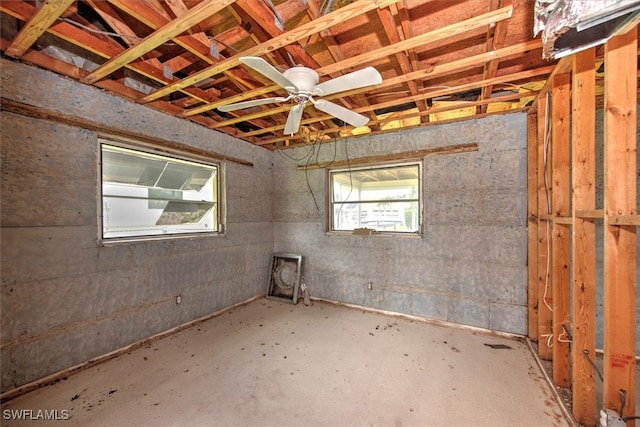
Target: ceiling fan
303	85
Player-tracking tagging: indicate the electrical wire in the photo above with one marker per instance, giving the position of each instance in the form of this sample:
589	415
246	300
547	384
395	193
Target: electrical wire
346	152
565	332
227	45
278	18
547	133
328	7
586	354
317	144
93	30
308	156
306	43
299	159
623	400
306	175
137	38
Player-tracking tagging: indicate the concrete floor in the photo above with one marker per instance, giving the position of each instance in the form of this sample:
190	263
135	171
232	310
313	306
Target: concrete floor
274	364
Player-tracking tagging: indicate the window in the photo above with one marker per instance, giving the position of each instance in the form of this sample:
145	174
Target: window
383	198
146	194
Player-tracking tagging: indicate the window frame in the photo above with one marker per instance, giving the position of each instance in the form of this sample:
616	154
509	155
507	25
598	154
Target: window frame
219	199
330	218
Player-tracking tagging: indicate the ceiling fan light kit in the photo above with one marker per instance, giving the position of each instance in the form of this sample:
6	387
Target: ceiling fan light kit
303	84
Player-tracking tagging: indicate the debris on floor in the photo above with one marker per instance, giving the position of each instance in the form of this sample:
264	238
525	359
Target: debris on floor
498	346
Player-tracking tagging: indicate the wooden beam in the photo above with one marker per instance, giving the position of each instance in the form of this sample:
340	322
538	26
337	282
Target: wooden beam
155	19
553	219
418	154
438	70
85	40
532	226
407	30
633	220
545	300
495	40
197	44
425	39
262	21
39	23
583	263
45	61
110	16
334	49
332	45
561	235
391	30
343	14
16	107
300	141
405	115
426	95
435	93
258	35
590	213
384	52
262	15
562	67
174	28
620	195
432	37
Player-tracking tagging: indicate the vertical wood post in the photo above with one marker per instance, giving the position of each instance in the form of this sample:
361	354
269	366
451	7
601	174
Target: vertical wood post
545	300
532	226
583	169
561	235
620	195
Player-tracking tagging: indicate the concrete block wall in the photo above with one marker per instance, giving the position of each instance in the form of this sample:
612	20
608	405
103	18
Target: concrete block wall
64	299
600	232
469	267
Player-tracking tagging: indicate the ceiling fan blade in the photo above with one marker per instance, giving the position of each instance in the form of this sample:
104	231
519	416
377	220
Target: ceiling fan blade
252	103
346	115
269	71
361	78
293	121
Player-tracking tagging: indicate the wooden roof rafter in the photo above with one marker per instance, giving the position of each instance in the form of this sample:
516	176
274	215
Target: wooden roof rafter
96	45
160	36
439	70
411	114
36	26
330	43
495	40
543	71
326	21
387	18
420	40
198	44
182	57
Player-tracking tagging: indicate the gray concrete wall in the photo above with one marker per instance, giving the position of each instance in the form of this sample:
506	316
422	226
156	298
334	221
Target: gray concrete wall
64	299
600	233
470	265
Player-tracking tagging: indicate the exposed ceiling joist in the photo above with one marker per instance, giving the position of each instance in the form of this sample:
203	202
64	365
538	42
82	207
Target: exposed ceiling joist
438	61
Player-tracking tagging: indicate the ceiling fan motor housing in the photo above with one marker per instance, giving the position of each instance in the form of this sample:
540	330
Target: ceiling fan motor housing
304	78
